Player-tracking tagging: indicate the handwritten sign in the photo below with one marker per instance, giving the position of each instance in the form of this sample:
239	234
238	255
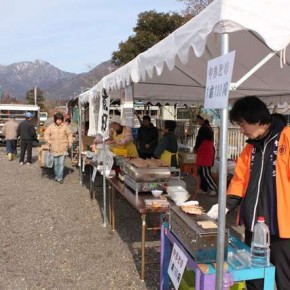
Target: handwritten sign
218	81
103	123
176	265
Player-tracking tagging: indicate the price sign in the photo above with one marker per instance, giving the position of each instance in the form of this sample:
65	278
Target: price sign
176	265
218	81
103	123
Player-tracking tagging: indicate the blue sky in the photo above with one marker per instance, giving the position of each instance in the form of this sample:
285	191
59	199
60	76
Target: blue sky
73	35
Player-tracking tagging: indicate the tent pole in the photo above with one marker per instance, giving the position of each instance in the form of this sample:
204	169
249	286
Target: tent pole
222	181
80	141
235	85
104	184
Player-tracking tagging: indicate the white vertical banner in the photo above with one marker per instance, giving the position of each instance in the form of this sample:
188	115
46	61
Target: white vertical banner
94	108
103	123
128	107
218	81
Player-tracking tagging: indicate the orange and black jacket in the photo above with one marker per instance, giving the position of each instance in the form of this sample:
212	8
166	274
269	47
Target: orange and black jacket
261	182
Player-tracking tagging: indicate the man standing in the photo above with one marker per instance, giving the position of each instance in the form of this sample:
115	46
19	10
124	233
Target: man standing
27	133
261	182
204	149
147	138
10	132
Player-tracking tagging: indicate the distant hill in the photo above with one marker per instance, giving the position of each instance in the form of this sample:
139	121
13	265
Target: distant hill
16	79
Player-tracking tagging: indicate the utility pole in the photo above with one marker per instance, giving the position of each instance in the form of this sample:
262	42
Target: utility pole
35	95
1	94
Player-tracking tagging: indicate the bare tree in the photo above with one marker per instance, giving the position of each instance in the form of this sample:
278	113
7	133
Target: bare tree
194	7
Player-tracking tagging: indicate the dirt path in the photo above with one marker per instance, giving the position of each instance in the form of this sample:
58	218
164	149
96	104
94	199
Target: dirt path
52	235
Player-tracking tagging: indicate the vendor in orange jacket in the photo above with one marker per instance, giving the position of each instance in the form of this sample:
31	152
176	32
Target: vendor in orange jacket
261	182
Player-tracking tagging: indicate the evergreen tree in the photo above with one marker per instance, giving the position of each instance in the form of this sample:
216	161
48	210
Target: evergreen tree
39	98
151	28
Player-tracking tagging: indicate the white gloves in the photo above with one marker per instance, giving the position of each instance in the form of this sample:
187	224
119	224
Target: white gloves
214	212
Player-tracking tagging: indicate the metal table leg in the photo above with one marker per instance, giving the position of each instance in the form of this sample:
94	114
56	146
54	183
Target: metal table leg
92	183
110	205
143	218
112	214
164	259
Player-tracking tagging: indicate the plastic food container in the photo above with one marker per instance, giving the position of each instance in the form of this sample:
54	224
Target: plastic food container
156	192
155	203
178	194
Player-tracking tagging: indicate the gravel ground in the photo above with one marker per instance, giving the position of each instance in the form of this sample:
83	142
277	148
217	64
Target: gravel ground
52	235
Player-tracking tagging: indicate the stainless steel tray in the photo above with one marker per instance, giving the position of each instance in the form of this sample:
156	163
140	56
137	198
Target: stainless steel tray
147	174
199	242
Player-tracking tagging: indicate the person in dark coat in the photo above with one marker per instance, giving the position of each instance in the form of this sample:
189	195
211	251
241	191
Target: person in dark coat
204	149
168	147
147	138
27	133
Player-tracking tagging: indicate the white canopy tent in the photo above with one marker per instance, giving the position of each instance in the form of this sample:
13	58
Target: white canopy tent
174	70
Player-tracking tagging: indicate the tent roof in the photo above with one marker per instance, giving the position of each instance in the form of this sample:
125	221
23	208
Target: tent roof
175	68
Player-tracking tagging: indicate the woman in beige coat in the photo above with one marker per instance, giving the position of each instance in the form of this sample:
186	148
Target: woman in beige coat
59	137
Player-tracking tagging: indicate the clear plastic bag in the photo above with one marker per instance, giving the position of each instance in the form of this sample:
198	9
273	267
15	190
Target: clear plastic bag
48	159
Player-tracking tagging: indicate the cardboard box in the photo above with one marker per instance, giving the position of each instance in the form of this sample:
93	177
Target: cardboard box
41	150
87	141
189	168
189	158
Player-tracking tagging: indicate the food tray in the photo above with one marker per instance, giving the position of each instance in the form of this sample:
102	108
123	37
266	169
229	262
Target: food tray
156	203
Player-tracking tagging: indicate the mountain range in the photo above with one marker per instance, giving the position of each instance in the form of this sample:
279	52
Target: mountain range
18	78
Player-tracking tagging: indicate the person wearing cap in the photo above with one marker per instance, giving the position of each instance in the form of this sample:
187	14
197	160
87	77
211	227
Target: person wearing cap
10	132
27	133
121	139
59	137
167	148
147	138
204	149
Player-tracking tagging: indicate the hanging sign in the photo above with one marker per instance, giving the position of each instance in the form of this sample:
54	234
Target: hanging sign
103	123
218	81
94	110
128	107
177	265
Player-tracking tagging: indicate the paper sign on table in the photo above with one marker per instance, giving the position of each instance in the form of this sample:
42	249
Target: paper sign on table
177	265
